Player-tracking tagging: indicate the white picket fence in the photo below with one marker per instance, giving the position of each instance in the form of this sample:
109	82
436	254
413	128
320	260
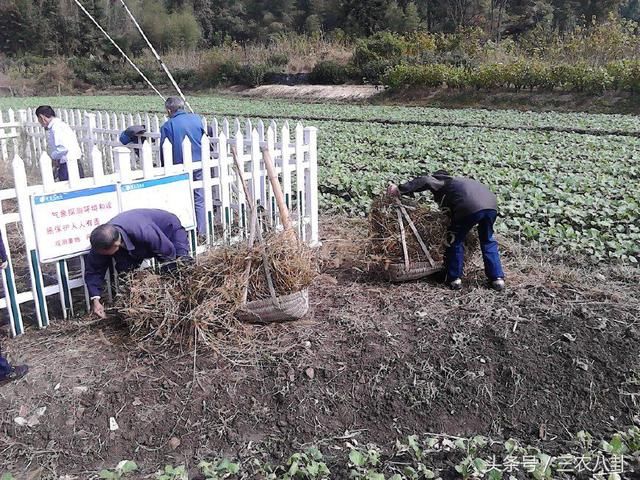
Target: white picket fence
106	162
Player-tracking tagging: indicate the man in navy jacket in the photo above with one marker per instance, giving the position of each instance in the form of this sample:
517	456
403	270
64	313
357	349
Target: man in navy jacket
470	203
130	238
8	373
180	125
134	135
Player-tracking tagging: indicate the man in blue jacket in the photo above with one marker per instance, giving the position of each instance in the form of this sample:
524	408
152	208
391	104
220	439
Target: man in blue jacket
469	203
180	125
8	373
130	238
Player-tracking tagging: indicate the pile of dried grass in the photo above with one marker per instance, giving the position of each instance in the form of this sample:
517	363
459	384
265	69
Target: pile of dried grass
431	224
199	301
292	266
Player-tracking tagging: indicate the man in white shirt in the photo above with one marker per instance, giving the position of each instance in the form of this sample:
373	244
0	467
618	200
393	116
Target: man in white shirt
62	141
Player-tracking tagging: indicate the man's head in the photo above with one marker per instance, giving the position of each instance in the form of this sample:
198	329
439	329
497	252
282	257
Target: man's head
45	114
105	239
173	105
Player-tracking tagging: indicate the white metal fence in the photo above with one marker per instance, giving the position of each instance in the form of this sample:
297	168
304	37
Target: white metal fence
23	156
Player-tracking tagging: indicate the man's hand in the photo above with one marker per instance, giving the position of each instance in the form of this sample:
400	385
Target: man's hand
393	190
97	308
3	265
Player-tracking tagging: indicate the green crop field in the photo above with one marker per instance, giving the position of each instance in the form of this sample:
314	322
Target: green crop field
567	182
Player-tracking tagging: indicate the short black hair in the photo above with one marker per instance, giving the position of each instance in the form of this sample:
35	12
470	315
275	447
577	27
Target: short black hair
441	172
104	236
45	110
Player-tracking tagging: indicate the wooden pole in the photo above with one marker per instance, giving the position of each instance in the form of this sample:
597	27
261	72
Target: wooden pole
283	211
252	222
404	241
415	232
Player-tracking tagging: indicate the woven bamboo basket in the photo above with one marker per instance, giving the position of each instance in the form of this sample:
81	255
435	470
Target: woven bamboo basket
407	271
397	272
279	309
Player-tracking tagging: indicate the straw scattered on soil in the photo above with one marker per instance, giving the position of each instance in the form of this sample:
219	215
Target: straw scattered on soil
554	354
199	301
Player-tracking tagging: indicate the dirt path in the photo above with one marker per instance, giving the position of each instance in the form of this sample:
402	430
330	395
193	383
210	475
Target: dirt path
310	92
555	354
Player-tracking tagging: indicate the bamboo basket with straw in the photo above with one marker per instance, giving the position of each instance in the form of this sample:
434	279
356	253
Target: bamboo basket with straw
407	239
276	308
407	271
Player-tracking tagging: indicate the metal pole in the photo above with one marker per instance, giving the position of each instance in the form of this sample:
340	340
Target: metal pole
153	50
119	49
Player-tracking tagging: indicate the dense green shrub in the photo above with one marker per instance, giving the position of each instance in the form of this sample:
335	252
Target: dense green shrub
429	76
381	46
186	77
533	75
218	71
625	75
486	76
373	71
329	73
375	55
252	75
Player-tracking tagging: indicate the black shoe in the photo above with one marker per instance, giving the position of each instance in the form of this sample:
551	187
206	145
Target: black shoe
16	373
498	284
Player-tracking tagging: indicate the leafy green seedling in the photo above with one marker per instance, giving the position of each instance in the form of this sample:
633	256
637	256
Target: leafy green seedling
173	473
219	469
124	468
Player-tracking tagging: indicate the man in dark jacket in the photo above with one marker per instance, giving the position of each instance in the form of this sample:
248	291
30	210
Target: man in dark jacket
8	373
134	135
180	125
470	203
130	238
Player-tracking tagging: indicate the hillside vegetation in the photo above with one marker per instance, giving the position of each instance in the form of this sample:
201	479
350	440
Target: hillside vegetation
542	45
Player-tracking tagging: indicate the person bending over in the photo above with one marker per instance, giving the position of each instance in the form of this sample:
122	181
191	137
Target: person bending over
469	203
130	238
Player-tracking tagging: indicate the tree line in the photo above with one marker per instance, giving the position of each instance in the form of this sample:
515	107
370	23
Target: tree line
58	27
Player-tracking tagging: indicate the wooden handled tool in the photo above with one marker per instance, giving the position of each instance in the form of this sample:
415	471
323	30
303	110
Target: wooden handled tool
283	211
253	221
402	208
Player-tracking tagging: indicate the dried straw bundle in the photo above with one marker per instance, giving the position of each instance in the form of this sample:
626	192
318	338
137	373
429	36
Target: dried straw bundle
292	266
199	301
431	224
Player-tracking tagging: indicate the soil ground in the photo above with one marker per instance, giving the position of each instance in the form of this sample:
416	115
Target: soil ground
609	102
556	353
310	92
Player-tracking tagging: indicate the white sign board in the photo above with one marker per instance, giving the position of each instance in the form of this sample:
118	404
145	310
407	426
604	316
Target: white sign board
173	194
64	221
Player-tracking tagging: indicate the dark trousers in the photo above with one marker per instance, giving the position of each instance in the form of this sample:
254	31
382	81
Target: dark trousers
5	368
458	230
198	201
63	171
